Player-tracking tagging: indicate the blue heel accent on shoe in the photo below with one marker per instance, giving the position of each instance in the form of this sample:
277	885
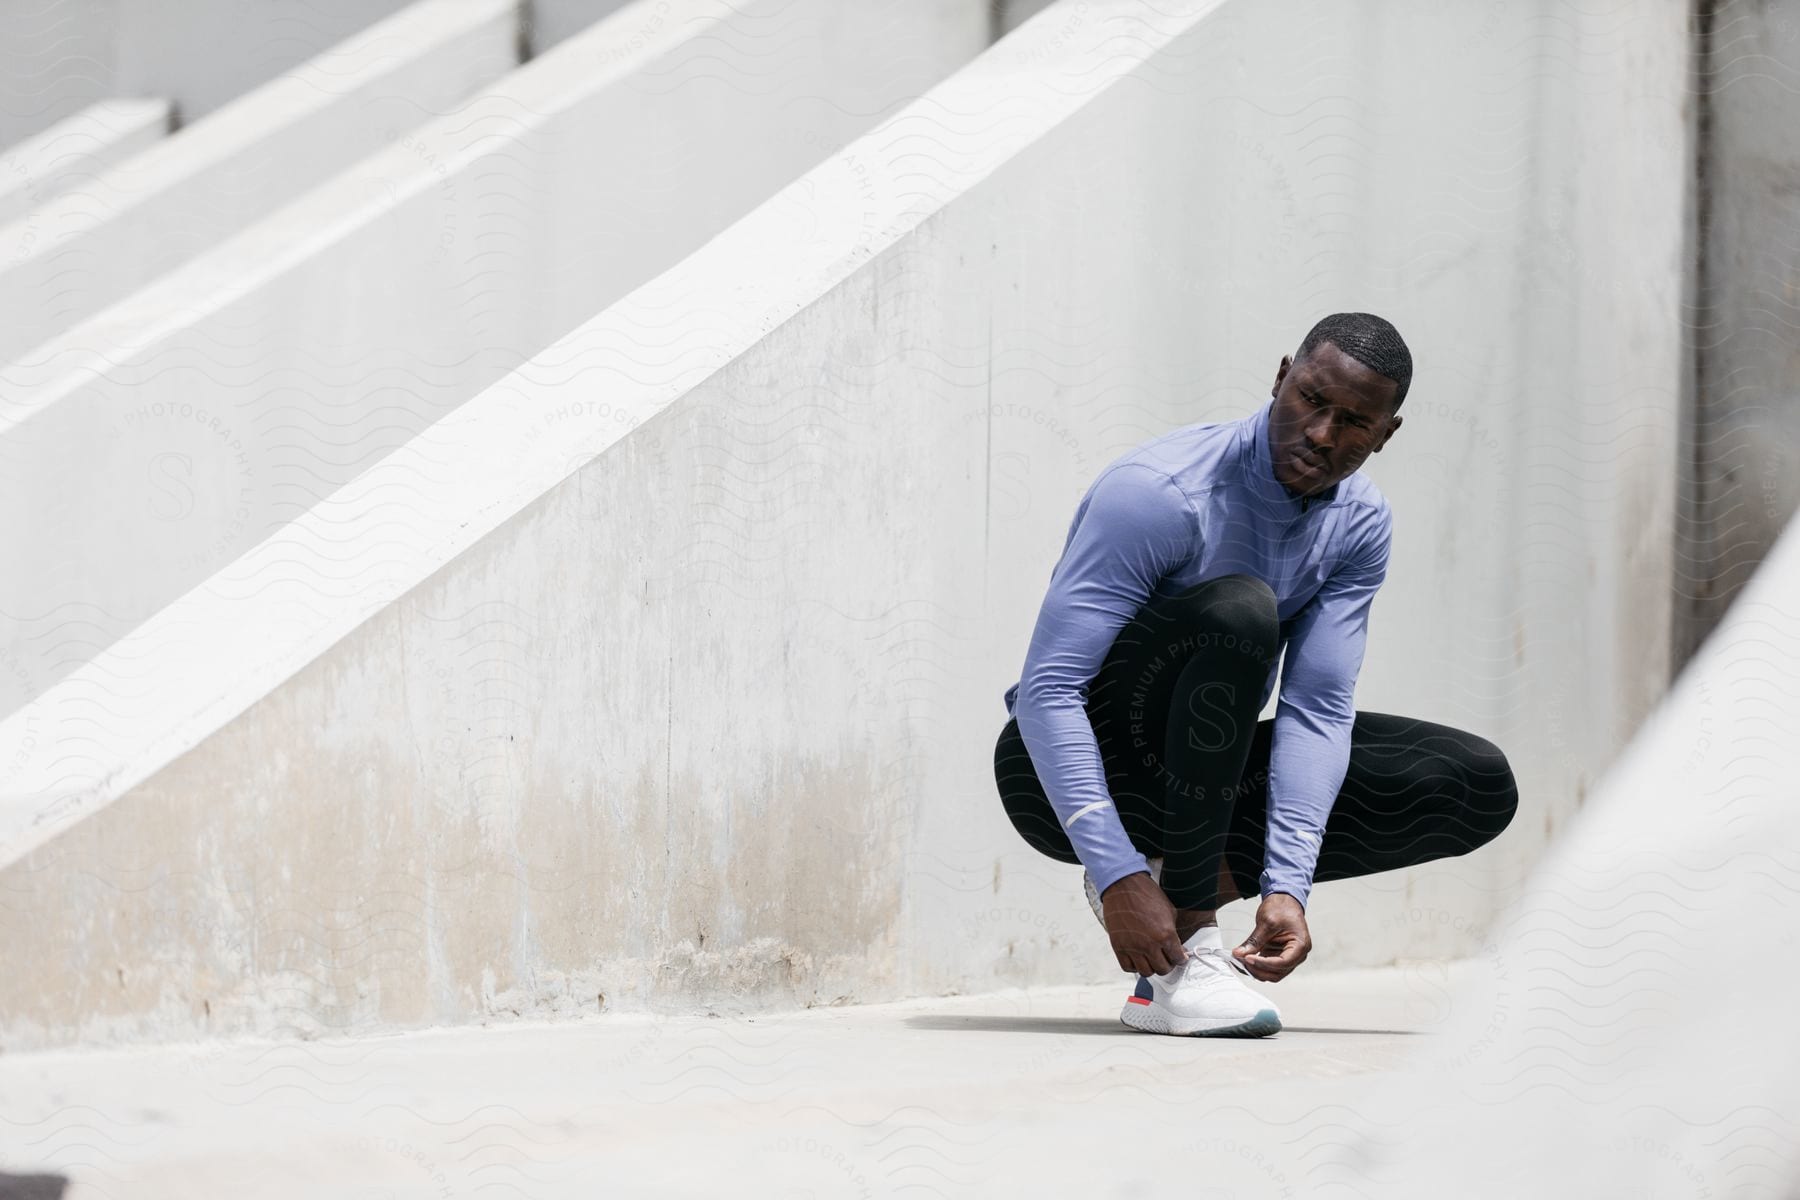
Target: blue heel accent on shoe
1144	991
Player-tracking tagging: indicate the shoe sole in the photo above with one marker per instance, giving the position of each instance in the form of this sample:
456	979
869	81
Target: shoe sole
1148	1017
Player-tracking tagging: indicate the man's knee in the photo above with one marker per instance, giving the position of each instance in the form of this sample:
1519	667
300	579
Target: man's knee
1244	590
1240	605
1491	790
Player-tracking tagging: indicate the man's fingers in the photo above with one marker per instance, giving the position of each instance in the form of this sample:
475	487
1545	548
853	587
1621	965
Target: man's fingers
1269	963
1250	945
1288	952
1269	970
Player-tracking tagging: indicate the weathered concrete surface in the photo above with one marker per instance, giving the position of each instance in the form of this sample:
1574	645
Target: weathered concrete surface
1740	467
70	259
669	668
72	152
143	450
1032	1093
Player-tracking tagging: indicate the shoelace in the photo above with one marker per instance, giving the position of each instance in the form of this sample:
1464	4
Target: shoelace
1241	969
1222	962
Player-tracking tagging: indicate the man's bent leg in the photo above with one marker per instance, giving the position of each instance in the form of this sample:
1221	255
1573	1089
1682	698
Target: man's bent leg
1173	708
1415	791
1022	795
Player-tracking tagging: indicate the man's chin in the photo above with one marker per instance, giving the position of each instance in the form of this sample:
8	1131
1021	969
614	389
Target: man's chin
1298	484
1304	483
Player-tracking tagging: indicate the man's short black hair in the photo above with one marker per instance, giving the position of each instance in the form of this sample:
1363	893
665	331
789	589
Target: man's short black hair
1370	340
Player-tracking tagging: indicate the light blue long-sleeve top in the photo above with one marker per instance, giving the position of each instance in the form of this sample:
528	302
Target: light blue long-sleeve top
1193	504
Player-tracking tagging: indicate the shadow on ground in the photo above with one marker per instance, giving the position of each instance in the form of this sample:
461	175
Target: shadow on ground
1097	1026
32	1187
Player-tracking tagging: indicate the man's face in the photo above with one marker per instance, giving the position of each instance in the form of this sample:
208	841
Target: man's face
1330	414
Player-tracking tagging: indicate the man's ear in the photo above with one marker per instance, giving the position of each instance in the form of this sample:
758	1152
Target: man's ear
1392	428
1287	360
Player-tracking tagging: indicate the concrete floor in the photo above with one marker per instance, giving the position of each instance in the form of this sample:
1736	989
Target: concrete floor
1039	1093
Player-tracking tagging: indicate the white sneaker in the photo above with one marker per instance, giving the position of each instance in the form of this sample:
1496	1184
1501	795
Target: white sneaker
1203	997
1093	893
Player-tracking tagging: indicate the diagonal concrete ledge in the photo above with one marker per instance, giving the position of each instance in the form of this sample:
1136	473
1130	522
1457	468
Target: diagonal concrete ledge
71	153
69	259
152	445
666	670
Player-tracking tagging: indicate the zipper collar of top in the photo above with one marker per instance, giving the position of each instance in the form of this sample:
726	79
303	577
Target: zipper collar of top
1261	469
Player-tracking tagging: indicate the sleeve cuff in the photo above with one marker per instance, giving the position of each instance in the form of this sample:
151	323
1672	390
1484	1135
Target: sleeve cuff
1297	888
1105	877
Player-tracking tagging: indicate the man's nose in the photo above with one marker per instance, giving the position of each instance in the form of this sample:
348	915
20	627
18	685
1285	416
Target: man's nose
1322	433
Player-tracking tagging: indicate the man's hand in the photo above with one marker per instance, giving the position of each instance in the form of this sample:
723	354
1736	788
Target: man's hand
1279	943
1141	923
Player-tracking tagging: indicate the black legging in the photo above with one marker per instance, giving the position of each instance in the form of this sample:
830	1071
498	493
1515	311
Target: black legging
1173	709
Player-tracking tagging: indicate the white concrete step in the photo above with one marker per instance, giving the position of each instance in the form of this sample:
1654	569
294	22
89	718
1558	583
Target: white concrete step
72	257
72	153
59	56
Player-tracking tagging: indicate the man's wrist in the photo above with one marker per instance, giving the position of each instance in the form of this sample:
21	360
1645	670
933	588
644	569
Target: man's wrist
1271	893
1288	880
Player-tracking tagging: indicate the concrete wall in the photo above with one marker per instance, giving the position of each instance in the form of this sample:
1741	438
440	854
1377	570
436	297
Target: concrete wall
1741	461
667	671
58	56
70	259
71	153
1014	13
548	22
150	446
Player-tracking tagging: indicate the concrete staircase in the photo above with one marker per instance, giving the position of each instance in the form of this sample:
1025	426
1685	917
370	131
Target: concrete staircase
147	446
